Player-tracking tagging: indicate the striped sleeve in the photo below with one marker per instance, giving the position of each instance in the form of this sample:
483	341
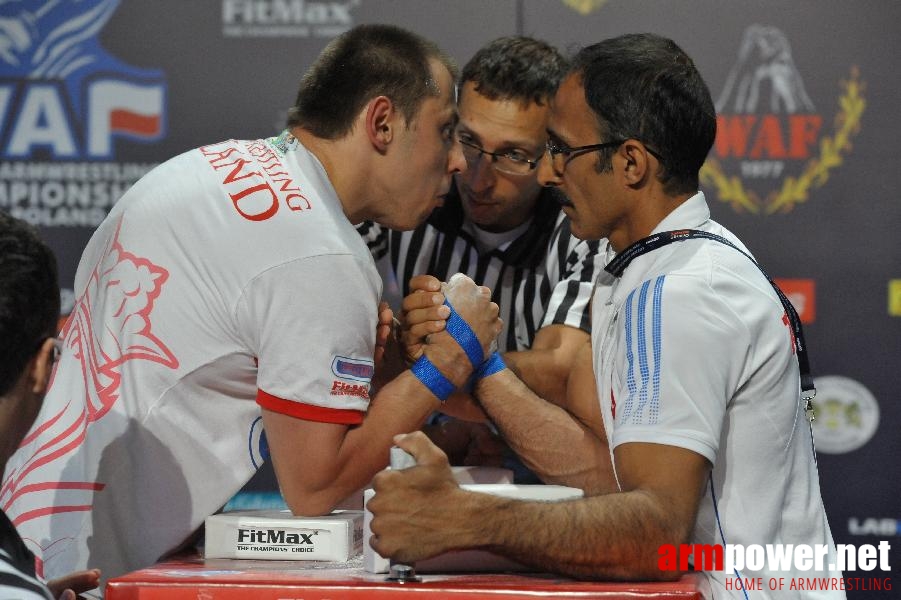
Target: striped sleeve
376	238
578	262
16	584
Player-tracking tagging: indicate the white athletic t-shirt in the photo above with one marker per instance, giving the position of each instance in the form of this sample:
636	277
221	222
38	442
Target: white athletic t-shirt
691	350
227	277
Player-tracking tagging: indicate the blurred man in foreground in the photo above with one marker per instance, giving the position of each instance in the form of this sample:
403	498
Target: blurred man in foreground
29	310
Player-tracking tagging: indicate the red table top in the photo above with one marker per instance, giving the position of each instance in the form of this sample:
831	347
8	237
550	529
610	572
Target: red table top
225	579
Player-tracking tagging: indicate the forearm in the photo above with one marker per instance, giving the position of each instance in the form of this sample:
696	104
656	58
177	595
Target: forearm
400	406
539	369
344	460
614	536
550	441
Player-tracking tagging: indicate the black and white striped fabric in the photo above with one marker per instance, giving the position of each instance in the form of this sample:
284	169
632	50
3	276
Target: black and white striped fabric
543	277
17	578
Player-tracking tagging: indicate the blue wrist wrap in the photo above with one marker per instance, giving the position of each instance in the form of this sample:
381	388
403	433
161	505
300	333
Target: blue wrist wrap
432	378
491	366
463	335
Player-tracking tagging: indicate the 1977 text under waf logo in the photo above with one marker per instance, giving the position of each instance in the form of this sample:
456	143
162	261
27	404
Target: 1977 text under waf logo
584	7
770	132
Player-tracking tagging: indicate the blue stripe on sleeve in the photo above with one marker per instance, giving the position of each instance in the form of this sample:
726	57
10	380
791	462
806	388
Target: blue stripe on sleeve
630	358
658	343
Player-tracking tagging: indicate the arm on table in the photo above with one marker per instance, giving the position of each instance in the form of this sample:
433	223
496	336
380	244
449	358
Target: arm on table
319	464
423	314
421	512
563	445
546	365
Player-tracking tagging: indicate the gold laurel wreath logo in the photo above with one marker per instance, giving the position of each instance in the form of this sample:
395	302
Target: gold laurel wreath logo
584	7
796	190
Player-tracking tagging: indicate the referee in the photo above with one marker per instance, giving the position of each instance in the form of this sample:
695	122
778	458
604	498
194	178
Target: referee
500	227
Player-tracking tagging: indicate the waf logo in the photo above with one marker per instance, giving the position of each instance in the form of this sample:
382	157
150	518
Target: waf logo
61	92
65	106
772	144
847	415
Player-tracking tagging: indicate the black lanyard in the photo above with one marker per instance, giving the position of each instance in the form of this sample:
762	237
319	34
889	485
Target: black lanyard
658	240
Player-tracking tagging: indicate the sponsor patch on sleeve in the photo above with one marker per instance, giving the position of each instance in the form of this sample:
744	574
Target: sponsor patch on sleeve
355	369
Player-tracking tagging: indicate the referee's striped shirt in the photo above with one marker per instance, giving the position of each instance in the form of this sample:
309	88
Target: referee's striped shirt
543	277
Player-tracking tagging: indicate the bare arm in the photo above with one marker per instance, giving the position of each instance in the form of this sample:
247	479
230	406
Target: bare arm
545	436
562	445
319	464
421	512
545	366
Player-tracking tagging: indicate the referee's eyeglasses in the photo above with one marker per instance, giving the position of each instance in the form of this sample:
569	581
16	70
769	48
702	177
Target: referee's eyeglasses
511	162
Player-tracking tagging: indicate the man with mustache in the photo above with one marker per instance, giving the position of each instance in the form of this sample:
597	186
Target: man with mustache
697	369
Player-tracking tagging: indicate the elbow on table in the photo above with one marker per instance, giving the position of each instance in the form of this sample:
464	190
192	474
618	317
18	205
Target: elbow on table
312	503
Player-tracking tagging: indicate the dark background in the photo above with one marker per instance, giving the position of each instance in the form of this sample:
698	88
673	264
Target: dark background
841	235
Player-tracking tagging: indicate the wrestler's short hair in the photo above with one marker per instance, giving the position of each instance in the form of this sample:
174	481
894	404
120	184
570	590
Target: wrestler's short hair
516	68
643	86
361	64
29	297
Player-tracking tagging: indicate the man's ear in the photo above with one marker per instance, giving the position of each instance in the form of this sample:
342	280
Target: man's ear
381	121
40	367
637	162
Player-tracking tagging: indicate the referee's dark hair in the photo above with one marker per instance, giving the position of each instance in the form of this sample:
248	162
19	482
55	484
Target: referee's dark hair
516	68
643	86
359	65
29	297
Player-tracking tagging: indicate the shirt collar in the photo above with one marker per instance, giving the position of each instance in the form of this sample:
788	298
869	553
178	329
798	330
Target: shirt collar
688	215
529	249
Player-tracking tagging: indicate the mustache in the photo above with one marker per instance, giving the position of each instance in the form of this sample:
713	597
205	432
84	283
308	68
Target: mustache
561	198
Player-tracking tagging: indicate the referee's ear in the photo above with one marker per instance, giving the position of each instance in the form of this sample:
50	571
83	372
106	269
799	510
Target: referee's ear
380	122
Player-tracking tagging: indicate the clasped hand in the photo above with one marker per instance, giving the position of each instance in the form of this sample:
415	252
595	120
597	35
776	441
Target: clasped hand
424	316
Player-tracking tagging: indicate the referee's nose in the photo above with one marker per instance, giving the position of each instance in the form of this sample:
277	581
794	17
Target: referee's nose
480	174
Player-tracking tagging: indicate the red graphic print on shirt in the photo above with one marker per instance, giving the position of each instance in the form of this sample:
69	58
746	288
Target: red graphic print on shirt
110	325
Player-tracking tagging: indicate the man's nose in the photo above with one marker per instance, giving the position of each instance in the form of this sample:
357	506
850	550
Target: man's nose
456	162
480	174
547	174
